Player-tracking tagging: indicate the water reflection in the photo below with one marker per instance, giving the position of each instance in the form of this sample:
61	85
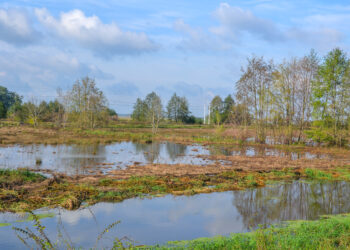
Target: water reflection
175	150
151	151
89	159
86	159
158	220
262	151
295	201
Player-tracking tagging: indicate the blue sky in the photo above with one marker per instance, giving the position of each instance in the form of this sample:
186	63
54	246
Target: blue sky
194	48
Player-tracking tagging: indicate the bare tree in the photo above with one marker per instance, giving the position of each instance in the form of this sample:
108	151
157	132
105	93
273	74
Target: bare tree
284	97
307	72
86	104
292	95
253	89
34	110
154	110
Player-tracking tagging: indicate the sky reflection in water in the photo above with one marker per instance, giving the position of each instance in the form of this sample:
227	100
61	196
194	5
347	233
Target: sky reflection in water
158	220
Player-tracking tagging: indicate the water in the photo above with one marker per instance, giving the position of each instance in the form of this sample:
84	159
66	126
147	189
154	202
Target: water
90	159
266	151
158	220
86	159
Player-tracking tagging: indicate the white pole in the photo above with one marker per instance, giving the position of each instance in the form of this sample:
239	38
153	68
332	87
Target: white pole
209	115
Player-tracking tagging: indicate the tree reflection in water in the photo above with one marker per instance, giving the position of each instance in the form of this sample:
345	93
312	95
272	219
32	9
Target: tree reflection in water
292	201
151	151
79	158
175	150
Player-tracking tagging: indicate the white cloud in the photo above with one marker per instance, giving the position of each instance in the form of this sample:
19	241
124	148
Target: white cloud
40	70
196	39
323	38
234	22
104	39
319	31
16	27
328	20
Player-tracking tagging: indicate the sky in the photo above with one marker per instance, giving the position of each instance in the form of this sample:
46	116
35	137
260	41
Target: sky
194	48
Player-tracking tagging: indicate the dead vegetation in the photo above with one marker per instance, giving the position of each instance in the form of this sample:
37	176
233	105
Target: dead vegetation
71	192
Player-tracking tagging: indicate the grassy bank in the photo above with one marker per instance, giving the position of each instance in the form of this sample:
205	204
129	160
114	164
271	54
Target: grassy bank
332	232
25	191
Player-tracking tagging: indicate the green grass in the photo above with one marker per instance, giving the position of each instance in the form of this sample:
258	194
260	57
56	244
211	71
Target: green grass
317	174
332	232
14	177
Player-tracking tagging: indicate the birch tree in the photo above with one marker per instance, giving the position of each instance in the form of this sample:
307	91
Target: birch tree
154	110
87	105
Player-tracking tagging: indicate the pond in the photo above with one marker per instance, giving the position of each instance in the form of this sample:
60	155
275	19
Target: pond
168	218
90	159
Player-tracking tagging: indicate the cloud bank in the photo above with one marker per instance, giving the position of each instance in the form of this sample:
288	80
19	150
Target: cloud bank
90	32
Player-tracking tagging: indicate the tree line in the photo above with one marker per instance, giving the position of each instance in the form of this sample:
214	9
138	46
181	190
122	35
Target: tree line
297	99
83	106
151	110
308	95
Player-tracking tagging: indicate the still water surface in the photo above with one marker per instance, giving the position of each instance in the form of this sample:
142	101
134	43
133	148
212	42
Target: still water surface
87	159
168	218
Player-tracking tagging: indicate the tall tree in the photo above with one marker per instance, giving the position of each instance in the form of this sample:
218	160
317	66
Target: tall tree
140	111
86	104
184	112
154	110
173	108
253	89
34	110
308	67
7	99
177	108
331	95
216	109
284	95
227	109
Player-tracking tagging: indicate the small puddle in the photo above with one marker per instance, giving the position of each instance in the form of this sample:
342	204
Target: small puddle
168	218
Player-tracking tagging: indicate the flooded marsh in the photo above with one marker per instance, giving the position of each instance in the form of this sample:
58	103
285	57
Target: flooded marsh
100	158
165	191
